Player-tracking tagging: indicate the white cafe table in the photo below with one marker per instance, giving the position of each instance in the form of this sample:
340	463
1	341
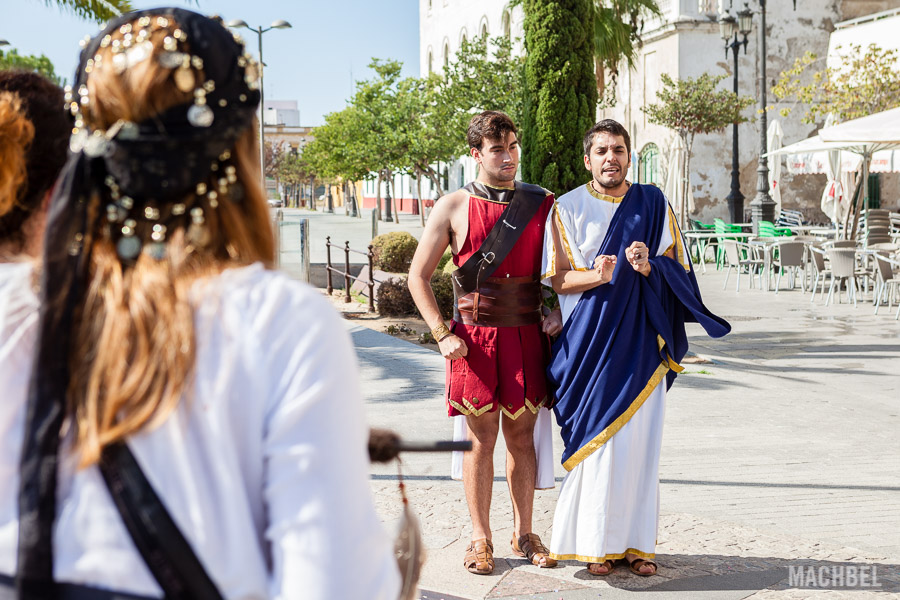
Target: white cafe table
697	236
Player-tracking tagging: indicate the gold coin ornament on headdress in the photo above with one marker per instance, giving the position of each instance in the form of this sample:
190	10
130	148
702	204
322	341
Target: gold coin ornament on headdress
130	45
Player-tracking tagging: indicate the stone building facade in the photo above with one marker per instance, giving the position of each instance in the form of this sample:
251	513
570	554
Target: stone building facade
685	42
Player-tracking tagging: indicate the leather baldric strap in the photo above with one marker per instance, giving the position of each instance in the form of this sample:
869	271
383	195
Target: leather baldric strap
167	553
500	302
523	203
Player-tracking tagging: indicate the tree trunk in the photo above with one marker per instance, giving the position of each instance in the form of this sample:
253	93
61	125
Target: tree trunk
686	180
863	193
436	180
600	77
419	196
378	195
393	196
854	202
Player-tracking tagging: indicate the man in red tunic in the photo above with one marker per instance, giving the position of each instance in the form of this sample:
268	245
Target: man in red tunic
496	347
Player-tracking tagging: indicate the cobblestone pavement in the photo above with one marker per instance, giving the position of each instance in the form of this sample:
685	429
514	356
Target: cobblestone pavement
780	453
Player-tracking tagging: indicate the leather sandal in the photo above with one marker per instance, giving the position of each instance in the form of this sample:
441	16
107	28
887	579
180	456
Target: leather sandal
607	564
480	557
531	547
636	564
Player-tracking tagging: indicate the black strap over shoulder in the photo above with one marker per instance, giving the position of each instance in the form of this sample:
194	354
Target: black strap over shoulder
167	553
523	203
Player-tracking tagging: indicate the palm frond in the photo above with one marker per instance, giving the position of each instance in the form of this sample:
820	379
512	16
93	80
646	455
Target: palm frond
93	10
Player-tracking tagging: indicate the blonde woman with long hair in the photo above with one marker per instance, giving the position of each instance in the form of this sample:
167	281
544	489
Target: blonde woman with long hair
194	423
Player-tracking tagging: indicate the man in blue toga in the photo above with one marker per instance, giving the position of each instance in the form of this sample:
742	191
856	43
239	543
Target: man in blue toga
614	253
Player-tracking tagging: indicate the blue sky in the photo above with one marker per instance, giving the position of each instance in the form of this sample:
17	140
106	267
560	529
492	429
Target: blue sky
310	63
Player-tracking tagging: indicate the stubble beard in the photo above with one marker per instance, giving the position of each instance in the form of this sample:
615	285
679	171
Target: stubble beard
610	184
499	176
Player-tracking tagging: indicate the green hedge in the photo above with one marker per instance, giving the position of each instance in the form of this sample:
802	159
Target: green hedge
392	252
394	300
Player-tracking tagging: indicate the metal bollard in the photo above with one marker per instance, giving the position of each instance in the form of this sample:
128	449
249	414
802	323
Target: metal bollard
374	223
279	221
328	287
371	281
347	271
304	250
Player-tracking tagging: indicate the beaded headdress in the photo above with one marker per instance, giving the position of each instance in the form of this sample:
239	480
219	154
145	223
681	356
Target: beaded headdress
147	169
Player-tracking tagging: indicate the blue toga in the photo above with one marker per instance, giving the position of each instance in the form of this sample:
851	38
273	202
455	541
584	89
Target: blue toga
624	337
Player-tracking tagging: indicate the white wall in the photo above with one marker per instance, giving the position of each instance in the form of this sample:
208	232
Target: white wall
687	45
443	23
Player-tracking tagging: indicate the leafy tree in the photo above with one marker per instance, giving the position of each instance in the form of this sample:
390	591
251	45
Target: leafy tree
694	106
274	156
94	10
866	81
40	64
561	95
617	38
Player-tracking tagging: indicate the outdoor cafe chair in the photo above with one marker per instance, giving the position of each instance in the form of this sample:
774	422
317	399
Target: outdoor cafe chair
839	244
887	283
843	268
722	230
791	258
701	243
821	270
740	255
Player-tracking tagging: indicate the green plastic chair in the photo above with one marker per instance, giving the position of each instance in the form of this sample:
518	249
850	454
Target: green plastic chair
722	230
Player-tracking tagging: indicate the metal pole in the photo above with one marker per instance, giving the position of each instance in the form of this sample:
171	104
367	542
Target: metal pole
304	250
354	211
735	198
279	221
371	280
387	197
763	206
262	114
329	201
374	223
328	287
347	271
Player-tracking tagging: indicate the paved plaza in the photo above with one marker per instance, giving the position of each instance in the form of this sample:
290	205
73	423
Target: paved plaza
781	452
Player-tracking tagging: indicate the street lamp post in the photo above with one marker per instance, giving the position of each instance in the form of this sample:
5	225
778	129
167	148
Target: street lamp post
763	207
259	31
730	28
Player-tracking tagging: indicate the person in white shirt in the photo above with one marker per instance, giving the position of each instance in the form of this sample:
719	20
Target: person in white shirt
160	331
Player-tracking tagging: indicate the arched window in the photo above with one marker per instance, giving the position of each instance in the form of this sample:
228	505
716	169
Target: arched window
446	55
463	36
430	62
507	32
648	167
483	30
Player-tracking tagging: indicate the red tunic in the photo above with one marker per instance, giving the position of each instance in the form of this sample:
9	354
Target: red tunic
505	366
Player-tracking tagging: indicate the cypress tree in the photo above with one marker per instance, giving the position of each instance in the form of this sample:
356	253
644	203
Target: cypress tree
560	91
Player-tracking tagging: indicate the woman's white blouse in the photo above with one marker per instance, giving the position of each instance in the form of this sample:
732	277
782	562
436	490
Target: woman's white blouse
263	467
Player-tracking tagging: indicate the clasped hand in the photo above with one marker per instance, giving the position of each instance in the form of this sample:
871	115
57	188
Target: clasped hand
604	265
638	255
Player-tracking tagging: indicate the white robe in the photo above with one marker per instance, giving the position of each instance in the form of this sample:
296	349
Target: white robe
264	468
609	503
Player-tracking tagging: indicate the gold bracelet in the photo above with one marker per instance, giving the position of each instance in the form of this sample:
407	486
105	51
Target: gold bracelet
440	332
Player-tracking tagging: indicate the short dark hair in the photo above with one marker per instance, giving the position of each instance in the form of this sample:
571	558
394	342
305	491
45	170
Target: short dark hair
607	126
490	124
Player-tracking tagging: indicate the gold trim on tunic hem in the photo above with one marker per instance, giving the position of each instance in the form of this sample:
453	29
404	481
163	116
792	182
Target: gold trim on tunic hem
614	427
602	559
511	415
469	409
